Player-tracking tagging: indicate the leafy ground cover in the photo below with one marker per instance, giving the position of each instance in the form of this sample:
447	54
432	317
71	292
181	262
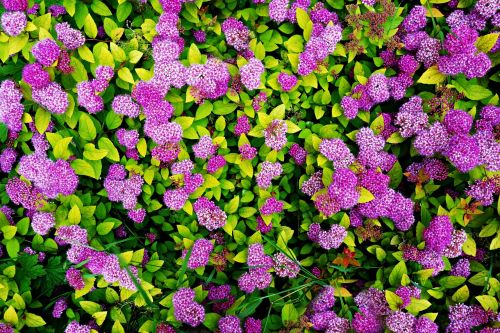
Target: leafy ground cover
249	166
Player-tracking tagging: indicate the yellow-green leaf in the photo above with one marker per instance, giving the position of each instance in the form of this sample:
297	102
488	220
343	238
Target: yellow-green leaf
10	315
488	302
125	74
485	43
432	76
33	320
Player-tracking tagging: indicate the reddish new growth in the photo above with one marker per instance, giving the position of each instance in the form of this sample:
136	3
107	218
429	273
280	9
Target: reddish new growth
443	101
369	231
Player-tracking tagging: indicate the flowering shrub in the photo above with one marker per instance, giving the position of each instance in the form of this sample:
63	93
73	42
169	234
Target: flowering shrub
249	166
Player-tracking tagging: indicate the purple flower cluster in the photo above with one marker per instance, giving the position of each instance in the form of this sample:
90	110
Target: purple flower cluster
208	81
251	73
464	317
298	154
123	104
257	276
268	171
71	38
237	34
284	266
411	117
483	189
186	309
209	214
42	222
215	163
318	48
76	327
123	190
330	239
204	148
11	109
247	152
275	134
52	97
371	150
406	293
7	159
462	54
13	23
272	205
337	152
200	253
313	184
287	81
428	169
242	125
52	178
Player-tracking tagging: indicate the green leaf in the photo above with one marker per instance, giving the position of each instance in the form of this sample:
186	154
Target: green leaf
469	246
33	320
395	302
204	110
432	76
10	316
125	74
61	149
104	228
86	54
9	231
90	27
79	73
451	282
123	11
397	273
461	295
100	8
289	314
365	196
485	43
112	153
91	153
417	305
70	6
42	120
488	302
194	54
232	205
12	247
295	44
83	168
74	215
86	127
90	307
472	91
113	120
211	321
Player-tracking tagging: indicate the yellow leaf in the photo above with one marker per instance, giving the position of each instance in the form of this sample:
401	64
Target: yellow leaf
125	74
432	76
10	316
434	12
485	43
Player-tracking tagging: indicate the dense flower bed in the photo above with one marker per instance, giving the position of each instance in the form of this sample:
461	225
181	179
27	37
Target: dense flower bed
249	166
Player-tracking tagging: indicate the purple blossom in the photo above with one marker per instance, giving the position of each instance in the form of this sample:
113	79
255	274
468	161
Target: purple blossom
34	75
209	215
59	307
278	10
350	106
268	171
237	34
461	268
13	23
437	235
75	327
298	153
416	19
215	163
204	148
74	278
242	125
284	266
57	10
463	152
7	159
71	38
11	109
52	97
378	88
46	51
186	310
275	134
200	36
271	206
251	73
325	299
42	222
200	253
400	322
229	324
137	215
247	152
337	152
287	81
